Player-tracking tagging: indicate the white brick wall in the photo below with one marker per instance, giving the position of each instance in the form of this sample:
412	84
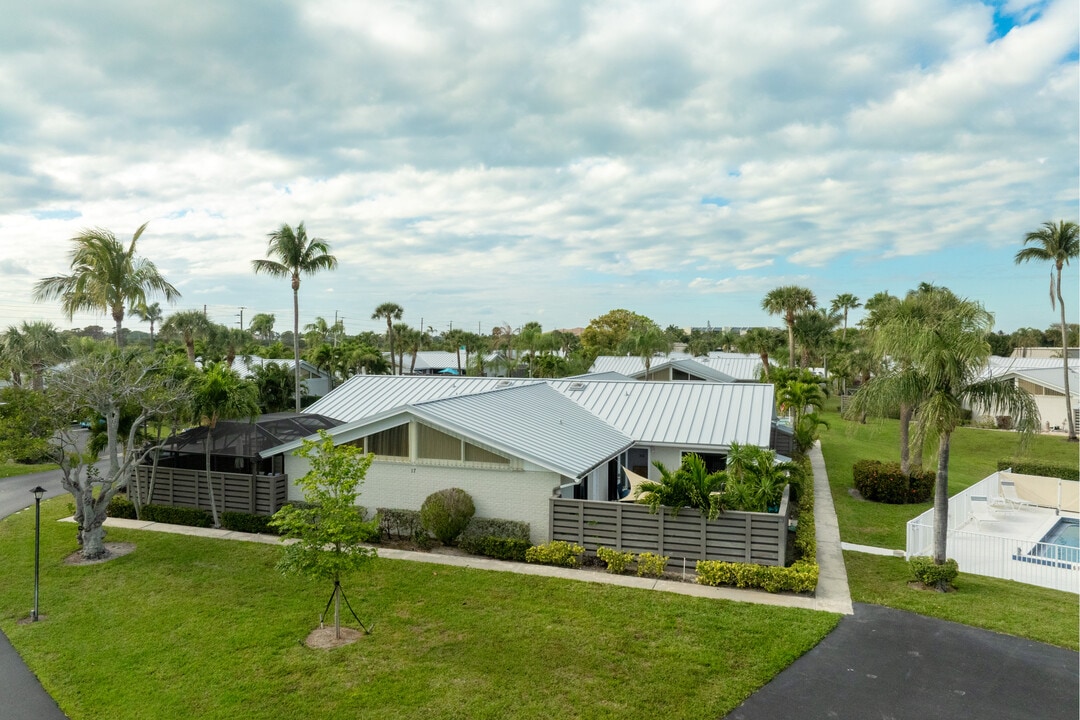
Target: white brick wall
507	494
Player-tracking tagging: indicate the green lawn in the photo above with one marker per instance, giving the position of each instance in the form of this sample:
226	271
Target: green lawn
195	628
974	455
13	469
1049	616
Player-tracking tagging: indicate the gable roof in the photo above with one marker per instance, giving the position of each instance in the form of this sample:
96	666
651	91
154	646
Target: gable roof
366	395
1050	378
717	367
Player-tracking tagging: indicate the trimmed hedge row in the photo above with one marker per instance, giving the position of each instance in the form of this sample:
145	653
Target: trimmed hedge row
883	482
495	538
177	515
399	524
121	507
801	577
1038	467
557	552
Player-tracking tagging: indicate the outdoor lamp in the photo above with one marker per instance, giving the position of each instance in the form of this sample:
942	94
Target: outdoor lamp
38	493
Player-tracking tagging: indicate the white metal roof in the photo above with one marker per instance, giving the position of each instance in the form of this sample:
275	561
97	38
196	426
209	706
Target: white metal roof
735	366
998	366
682	414
245	365
746	368
366	395
1052	378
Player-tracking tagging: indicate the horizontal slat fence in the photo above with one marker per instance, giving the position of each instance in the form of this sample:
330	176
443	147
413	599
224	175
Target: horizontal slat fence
734	536
258	495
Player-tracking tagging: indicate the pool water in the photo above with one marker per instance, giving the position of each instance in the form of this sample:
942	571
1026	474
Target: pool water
1061	542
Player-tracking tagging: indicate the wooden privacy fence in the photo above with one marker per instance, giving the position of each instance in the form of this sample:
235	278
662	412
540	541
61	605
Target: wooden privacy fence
180	487
734	536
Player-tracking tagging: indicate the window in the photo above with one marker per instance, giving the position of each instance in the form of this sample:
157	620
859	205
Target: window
479	454
714	462
390	443
432	444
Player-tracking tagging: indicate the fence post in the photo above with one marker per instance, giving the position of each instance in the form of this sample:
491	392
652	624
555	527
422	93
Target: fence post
618	526
660	530
746	537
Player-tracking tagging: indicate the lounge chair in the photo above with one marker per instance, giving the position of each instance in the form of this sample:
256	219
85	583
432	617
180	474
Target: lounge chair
981	511
1008	491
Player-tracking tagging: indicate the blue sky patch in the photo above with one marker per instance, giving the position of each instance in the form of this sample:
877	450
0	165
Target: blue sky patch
56	214
715	200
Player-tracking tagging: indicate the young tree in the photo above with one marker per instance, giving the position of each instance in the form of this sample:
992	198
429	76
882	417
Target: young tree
330	529
1057	244
105	278
292	255
103	385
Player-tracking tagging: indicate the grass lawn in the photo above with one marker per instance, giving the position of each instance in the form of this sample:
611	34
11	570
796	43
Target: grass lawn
190	627
1049	616
13	469
974	455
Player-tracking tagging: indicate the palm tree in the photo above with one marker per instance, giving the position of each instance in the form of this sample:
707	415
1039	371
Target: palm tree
149	313
105	278
691	485
947	350
814	329
390	312
262	326
645	341
220	393
186	326
34	346
789	300
1056	244
755	479
842	303
293	254
527	340
762	341
455	339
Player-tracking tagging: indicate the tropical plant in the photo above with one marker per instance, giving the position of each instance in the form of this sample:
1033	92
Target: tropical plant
186	326
1056	244
275	387
293	254
755	479
149	313
645	340
814	331
105	278
329	528
789	301
842	303
262	326
606	333
797	396
690	485
34	346
390	312
762	341
220	393
947	351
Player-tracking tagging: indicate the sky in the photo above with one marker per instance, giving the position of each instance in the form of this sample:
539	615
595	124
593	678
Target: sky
493	163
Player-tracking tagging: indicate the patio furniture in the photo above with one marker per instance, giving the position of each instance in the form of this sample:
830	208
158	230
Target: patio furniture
1008	492
981	511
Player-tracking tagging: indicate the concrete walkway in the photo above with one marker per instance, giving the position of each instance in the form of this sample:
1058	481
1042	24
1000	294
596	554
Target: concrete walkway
832	589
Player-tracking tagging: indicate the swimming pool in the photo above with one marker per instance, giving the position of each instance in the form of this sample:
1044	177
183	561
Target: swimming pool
1061	542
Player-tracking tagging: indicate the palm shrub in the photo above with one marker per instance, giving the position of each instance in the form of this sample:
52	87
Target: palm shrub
446	513
691	485
755	480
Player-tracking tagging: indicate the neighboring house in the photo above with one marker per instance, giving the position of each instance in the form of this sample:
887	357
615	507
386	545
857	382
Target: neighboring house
716	367
514	443
1043	378
1044	352
441	362
316	381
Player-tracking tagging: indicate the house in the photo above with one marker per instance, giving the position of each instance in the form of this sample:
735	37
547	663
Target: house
316	381
716	367
1043	378
441	362
515	443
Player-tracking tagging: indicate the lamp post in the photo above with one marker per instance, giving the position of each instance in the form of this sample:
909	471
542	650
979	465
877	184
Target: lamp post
38	492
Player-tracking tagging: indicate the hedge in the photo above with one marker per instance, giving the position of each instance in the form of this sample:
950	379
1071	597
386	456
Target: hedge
883	482
802	576
1038	467
400	524
502	539
557	552
121	507
177	515
248	523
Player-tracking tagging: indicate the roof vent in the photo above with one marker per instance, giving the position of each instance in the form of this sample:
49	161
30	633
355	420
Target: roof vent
576	386
503	383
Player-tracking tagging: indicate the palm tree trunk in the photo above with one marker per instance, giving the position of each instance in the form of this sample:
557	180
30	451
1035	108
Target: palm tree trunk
791	341
209	481
296	342
905	438
941	501
119	327
1065	359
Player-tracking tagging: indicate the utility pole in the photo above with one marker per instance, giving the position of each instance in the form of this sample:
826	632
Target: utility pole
242	308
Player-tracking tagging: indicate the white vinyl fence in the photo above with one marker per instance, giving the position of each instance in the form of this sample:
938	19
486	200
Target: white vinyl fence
1002	549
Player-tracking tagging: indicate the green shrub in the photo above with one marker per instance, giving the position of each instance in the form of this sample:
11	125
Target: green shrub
503	548
248	523
1038	467
559	553
932	575
121	507
651	564
801	577
398	524
615	560
446	513
883	482
422	539
479	530
805	535
177	515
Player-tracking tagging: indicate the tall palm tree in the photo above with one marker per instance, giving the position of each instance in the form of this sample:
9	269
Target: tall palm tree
262	326
455	339
1056	244
789	301
293	254
105	278
220	393
34	346
842	303
149	313
947	350
762	341
186	326
389	311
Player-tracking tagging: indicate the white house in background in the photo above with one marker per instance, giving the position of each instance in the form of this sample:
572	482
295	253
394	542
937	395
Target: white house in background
316	382
1044	379
512	443
441	362
716	367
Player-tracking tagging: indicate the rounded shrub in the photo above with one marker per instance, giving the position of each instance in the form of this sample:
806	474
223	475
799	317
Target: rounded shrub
932	575
883	482
446	513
